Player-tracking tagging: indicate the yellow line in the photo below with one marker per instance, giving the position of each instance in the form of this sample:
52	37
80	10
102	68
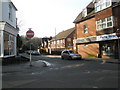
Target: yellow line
103	62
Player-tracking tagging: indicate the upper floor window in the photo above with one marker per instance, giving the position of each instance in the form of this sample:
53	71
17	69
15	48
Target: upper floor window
10	12
84	12
102	4
105	23
85	28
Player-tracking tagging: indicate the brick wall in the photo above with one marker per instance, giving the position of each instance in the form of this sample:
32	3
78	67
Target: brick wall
104	14
91	28
89	50
116	14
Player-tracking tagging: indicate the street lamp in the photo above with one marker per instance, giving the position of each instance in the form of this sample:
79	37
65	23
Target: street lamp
118	35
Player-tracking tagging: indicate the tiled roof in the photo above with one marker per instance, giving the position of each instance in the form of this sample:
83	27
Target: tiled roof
80	17
63	34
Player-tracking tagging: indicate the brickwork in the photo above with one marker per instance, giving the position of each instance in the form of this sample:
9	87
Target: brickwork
91	28
104	14
89	50
116	14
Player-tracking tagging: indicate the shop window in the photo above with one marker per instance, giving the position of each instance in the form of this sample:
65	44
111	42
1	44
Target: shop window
9	44
12	44
107	49
6	43
105	23
0	43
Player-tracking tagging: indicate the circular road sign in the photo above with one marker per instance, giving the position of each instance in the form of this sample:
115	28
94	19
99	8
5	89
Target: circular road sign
118	33
29	33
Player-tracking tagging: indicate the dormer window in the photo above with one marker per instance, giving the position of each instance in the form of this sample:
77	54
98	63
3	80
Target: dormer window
84	12
102	4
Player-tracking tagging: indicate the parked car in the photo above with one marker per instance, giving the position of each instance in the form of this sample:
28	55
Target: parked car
33	52
69	54
29	51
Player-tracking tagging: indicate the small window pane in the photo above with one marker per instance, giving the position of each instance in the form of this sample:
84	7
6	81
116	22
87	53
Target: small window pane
103	20
6	43
109	24
109	18
85	29
108	3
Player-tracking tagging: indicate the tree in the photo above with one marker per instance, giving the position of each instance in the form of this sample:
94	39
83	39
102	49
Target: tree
19	43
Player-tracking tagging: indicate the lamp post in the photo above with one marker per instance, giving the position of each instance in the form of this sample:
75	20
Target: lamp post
118	35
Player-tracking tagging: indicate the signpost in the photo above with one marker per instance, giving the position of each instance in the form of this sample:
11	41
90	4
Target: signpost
118	35
30	34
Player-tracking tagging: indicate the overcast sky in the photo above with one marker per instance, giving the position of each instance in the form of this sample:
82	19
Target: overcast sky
44	16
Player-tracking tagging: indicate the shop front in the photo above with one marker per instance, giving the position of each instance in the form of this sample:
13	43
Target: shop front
7	41
108	45
88	47
0	43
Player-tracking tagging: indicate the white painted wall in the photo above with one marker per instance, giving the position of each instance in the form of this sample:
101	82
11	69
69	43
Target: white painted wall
5	12
0	10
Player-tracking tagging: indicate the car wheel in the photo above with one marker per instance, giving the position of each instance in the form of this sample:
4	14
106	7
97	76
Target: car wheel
70	58
62	57
80	58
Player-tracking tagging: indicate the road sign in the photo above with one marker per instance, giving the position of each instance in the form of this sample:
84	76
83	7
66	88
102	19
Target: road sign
30	33
118	33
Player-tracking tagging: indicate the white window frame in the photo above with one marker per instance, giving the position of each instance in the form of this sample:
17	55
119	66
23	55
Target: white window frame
85	29
84	12
100	24
99	5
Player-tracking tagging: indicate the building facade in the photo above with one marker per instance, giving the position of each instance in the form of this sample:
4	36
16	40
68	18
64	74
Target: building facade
85	25
63	40
107	23
96	29
8	29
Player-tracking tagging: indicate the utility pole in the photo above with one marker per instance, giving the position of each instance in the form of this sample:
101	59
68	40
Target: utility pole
55	40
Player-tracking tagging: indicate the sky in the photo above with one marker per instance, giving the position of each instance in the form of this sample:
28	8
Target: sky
47	16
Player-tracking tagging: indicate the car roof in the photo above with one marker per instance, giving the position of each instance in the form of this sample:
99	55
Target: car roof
66	50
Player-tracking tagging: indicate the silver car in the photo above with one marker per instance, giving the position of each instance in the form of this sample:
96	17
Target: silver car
69	54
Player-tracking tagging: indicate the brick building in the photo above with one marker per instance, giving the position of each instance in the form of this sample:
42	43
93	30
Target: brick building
63	40
85	25
107	22
95	29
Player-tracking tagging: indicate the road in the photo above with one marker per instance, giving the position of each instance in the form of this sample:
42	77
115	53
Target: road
63	74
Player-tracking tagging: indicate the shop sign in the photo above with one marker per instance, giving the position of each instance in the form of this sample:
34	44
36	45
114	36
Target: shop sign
107	37
87	39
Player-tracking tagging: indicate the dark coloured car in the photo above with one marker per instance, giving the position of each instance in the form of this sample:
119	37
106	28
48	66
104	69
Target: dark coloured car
69	54
33	52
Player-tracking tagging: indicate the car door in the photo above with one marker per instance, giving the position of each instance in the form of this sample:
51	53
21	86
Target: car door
66	54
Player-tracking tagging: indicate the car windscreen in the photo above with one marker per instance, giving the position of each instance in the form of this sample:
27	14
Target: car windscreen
71	52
